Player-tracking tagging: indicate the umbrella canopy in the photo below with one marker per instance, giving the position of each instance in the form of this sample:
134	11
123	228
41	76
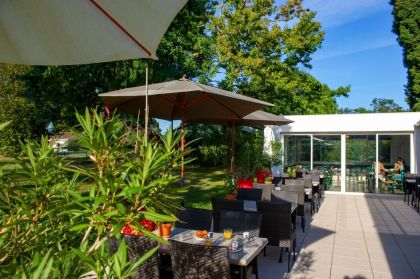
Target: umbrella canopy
183	99
257	118
63	32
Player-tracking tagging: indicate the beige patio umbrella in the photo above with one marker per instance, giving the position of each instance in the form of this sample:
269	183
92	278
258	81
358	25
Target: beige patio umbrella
257	118
68	32
185	100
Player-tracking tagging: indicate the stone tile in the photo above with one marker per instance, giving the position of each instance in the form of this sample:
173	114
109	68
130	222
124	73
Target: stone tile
345	243
352	253
340	272
347	262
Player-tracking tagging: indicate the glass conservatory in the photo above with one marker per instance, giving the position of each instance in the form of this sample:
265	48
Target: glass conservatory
356	152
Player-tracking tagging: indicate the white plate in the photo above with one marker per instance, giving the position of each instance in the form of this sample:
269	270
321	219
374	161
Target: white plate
239	249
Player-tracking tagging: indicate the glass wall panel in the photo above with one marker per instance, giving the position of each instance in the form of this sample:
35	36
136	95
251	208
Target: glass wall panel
391	149
360	159
327	156
297	151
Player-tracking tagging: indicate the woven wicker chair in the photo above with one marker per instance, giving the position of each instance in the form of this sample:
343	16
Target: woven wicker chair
194	219
266	190
316	187
194	261
277	226
239	222
284	196
300	189
249	194
224	204
137	247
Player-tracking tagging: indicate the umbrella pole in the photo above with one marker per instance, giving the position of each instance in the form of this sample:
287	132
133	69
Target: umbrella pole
182	147
146	109
233	149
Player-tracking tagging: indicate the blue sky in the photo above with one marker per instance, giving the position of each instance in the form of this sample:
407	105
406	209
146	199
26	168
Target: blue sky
359	50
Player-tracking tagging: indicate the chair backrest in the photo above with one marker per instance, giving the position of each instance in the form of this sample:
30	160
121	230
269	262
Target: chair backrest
298	181
192	261
300	189
315	174
276	221
137	246
240	222
194	219
219	204
266	190
251	194
284	196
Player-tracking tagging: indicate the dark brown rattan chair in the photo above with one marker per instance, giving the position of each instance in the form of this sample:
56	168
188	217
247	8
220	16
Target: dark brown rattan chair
239	222
219	204
138	246
316	187
194	219
195	261
277	226
251	194
266	190
284	196
300	189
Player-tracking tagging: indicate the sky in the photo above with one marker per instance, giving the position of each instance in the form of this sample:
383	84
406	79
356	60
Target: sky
359	50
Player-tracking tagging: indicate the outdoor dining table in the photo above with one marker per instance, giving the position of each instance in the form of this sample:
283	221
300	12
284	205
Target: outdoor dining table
241	258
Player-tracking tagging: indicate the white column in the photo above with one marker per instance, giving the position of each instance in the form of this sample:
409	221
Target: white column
412	155
283	155
312	151
343	163
376	170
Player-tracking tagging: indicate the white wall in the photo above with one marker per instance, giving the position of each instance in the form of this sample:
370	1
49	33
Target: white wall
417	147
351	123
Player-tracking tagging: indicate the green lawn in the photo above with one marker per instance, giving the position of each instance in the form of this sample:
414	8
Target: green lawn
204	183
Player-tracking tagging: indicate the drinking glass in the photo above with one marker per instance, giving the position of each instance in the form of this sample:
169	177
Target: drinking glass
227	233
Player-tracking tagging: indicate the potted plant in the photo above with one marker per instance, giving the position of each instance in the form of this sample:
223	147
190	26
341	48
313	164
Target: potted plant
231	185
267	180
244	180
292	172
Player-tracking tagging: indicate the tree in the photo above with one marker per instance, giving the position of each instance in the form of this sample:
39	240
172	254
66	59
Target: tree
385	105
377	105
14	107
264	48
406	25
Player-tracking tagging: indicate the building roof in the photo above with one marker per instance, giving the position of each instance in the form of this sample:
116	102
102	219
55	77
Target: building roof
351	123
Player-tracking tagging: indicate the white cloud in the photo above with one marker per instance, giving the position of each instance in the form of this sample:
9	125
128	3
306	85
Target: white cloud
332	13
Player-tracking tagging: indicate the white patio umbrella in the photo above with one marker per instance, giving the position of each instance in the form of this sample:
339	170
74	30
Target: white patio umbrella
68	32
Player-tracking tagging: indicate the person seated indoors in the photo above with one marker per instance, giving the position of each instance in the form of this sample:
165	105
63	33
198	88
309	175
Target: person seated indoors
399	168
398	165
381	171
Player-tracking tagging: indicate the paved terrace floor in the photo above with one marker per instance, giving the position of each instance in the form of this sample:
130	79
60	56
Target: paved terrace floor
352	236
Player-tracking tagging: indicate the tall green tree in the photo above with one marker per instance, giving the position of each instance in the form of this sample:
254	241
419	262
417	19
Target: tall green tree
264	48
14	107
406	25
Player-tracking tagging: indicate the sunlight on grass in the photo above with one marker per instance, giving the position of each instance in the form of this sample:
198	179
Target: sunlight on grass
204	183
